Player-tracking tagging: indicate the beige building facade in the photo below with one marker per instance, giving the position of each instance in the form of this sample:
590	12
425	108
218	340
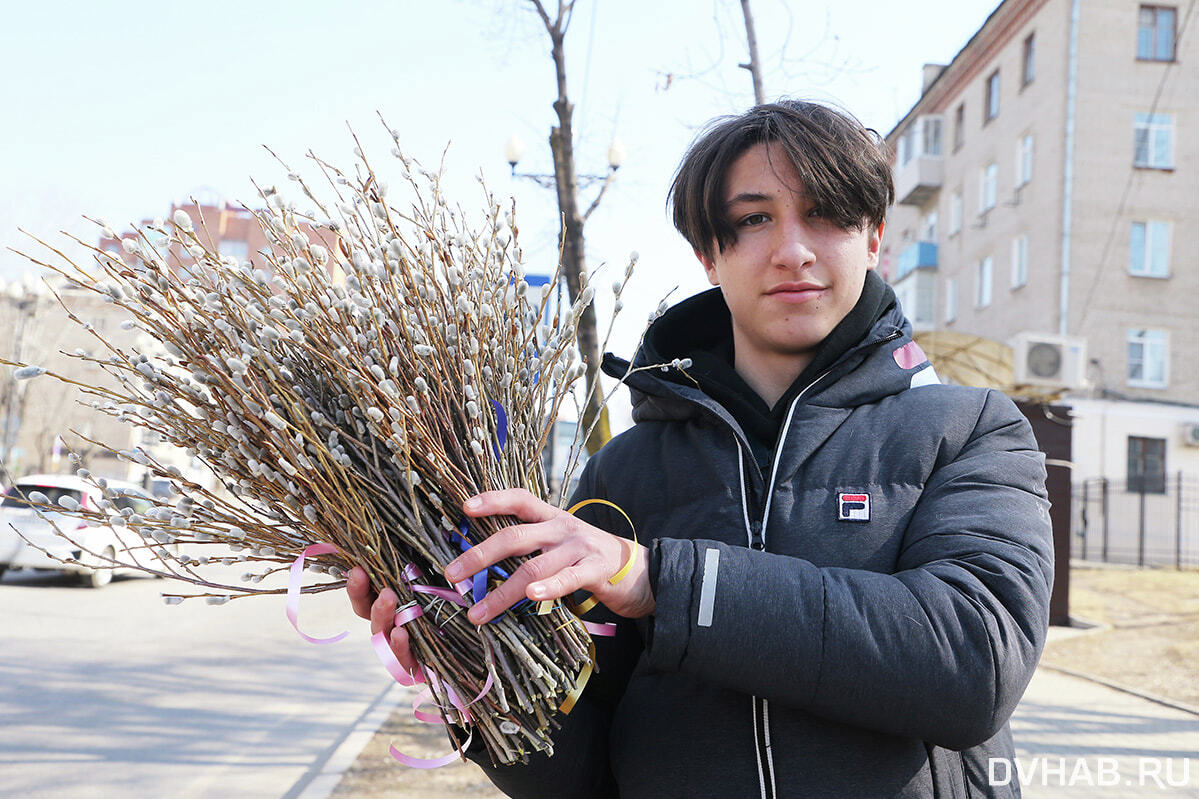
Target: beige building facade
1048	185
42	420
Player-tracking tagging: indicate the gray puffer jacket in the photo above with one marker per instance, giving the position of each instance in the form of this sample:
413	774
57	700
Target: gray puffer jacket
860	622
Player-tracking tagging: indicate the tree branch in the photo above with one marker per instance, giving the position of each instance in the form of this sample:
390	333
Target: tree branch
595	203
754	66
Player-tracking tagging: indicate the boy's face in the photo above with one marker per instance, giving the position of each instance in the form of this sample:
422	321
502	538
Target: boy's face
791	276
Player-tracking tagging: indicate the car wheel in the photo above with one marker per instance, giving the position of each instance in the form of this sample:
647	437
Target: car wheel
3	569
101	577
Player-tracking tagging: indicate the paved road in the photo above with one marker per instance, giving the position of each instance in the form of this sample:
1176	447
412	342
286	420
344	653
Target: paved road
1076	739
113	693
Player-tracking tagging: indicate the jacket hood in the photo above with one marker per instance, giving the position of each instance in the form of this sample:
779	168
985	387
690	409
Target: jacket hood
883	363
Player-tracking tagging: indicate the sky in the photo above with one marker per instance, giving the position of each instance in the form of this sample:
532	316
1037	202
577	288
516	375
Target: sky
116	109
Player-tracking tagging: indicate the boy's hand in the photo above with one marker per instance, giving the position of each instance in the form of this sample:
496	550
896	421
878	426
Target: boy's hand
573	556
381	611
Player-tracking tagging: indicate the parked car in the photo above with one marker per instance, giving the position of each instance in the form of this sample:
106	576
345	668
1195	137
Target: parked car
21	525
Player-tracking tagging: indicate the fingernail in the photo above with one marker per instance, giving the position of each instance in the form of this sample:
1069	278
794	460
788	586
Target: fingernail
453	572
473	502
538	591
477	613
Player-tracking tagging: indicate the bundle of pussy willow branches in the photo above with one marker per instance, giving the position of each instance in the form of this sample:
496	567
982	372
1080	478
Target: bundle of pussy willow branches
389	364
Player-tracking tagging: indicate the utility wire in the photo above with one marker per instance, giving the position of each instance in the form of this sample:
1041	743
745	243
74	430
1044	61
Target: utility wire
1133	171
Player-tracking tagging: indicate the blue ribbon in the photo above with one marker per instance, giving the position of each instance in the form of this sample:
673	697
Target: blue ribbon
479	581
501	429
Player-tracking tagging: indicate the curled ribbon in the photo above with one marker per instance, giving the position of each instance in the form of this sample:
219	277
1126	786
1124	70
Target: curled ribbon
477	587
293	592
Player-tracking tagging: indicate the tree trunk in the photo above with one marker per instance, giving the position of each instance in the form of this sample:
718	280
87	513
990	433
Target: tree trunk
754	66
571	241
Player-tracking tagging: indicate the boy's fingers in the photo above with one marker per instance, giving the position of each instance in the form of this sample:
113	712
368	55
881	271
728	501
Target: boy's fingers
510	502
519	539
358	587
383	612
398	640
564	582
512	590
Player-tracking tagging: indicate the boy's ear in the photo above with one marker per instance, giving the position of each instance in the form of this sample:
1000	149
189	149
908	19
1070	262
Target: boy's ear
709	267
874	245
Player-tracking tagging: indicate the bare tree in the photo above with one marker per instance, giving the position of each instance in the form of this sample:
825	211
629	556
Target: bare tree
26	309
566	182
754	65
818	65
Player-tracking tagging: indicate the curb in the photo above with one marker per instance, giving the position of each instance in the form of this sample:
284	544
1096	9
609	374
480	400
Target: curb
1126	689
326	772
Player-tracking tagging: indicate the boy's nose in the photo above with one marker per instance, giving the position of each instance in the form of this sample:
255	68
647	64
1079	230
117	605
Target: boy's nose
792	250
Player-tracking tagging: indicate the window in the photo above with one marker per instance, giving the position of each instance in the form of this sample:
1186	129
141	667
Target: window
1024	160
1019	261
905	148
921	138
1153	141
959	127
17	496
1146	465
991	109
1155	33
928	227
931	135
1028	60
983	298
951	299
955	212
1147	358
234	248
986	188
1149	249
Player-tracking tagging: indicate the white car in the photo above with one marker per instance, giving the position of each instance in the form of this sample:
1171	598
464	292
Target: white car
20	524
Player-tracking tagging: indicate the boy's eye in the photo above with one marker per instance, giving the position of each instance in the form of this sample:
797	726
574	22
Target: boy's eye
751	219
816	213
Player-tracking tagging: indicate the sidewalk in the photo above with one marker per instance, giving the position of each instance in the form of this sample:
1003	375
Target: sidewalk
1076	739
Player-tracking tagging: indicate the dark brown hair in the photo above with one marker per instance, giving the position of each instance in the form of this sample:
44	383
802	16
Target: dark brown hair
843	166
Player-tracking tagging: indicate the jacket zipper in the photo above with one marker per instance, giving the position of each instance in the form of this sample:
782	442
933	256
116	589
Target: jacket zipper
756	530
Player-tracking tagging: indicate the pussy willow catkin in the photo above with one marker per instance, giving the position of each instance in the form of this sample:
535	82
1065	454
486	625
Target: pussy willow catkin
385	361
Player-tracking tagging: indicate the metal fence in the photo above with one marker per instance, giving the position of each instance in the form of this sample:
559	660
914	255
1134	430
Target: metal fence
1139	522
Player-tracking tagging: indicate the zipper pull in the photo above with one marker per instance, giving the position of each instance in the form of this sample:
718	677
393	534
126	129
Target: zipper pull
755	536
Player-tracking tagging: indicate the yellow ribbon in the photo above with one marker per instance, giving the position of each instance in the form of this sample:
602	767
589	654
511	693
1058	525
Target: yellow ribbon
546	606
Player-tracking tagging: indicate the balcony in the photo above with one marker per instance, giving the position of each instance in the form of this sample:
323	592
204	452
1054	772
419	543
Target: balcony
920	254
918	163
919	180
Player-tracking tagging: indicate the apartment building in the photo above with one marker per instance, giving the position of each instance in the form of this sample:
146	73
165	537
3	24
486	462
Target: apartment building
40	418
1047	186
228	229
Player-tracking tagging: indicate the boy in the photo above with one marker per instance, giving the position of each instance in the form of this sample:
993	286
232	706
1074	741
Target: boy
846	585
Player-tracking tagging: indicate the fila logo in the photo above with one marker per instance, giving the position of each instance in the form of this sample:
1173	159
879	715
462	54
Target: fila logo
853	507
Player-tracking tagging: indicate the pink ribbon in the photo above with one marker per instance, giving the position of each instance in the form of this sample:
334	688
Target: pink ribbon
437	762
595	628
444	593
391	663
293	593
430	718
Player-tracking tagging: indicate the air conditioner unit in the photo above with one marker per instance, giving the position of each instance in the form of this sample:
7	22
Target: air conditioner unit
1190	434
1042	359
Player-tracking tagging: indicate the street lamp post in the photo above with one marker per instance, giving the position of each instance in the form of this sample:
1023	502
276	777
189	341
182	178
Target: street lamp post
566	182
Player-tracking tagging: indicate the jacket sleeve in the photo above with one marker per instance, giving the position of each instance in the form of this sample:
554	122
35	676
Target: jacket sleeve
940	650
579	767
